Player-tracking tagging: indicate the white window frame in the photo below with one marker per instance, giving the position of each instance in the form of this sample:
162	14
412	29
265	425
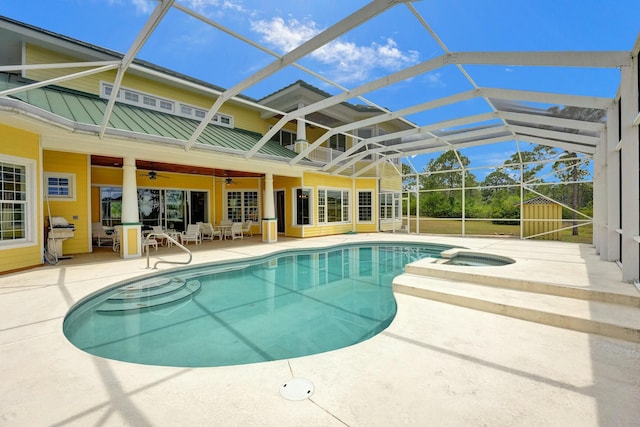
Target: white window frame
244	209
29	203
371	207
278	137
345	195
71	179
395	205
308	191
152	102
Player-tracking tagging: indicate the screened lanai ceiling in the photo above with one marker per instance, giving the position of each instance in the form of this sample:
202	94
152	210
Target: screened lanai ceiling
480	90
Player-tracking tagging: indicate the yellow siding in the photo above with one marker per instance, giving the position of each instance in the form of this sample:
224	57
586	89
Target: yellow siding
18	143
363	184
288	184
316	180
244	118
95	204
390	177
75	211
38	55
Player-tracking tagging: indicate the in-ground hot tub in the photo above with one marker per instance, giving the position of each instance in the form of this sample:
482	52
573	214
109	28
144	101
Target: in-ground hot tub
458	256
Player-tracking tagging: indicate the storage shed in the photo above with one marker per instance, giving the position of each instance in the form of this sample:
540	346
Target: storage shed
541	217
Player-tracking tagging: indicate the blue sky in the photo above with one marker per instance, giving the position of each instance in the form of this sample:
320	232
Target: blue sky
387	43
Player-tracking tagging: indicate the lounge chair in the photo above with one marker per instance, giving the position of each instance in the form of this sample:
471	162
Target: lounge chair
117	230
191	234
236	231
149	241
99	234
246	228
208	232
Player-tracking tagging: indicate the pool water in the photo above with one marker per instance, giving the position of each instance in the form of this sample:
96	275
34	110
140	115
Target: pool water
288	305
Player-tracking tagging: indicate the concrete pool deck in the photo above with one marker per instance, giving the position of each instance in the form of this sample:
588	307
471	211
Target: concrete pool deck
437	364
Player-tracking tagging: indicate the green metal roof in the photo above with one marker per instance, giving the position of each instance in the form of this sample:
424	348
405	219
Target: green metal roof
83	108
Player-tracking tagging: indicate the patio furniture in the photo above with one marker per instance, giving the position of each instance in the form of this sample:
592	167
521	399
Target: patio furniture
99	234
191	234
236	231
117	230
246	228
208	232
149	241
225	228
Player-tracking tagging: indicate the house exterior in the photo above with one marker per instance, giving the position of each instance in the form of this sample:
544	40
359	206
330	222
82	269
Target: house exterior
69	149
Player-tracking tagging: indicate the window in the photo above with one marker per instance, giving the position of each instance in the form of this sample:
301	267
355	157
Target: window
285	137
60	185
365	206
302	214
17	216
166	105
333	206
389	210
147	100
242	206
111	206
152	102
338	142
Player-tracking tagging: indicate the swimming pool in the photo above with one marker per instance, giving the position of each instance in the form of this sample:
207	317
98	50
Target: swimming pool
286	305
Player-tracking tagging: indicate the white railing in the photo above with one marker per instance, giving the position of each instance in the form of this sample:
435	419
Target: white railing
327	155
169	239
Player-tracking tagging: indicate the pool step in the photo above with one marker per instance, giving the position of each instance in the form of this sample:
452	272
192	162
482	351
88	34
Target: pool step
142	296
609	319
498	277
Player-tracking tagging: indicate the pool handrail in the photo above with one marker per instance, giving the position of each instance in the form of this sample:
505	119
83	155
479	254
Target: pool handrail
173	241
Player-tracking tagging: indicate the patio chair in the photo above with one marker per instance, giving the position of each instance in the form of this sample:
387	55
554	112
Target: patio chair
159	232
99	234
246	228
117	231
208	232
191	234
236	231
150	241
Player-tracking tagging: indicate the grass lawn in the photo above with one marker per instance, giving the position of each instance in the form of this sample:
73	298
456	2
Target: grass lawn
487	228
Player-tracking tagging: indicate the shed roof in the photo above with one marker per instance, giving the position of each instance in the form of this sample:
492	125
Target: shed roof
540	200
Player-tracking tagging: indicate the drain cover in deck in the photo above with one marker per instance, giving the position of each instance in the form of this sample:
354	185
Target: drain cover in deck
297	389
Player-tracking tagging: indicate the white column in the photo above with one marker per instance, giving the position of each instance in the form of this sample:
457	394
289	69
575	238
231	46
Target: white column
130	239
599	197
301	132
129	191
613	189
630	205
269	221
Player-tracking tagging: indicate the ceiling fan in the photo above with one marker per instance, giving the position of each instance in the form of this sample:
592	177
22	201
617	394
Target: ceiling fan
152	175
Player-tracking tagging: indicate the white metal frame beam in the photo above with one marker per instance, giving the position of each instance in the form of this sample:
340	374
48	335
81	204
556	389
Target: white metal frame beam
352	21
152	23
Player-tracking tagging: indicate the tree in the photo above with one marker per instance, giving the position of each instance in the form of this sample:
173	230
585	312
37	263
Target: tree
530	167
569	167
441	174
502	197
408	178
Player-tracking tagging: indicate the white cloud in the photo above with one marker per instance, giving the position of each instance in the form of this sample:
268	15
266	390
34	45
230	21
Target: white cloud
285	36
216	7
347	60
434	79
